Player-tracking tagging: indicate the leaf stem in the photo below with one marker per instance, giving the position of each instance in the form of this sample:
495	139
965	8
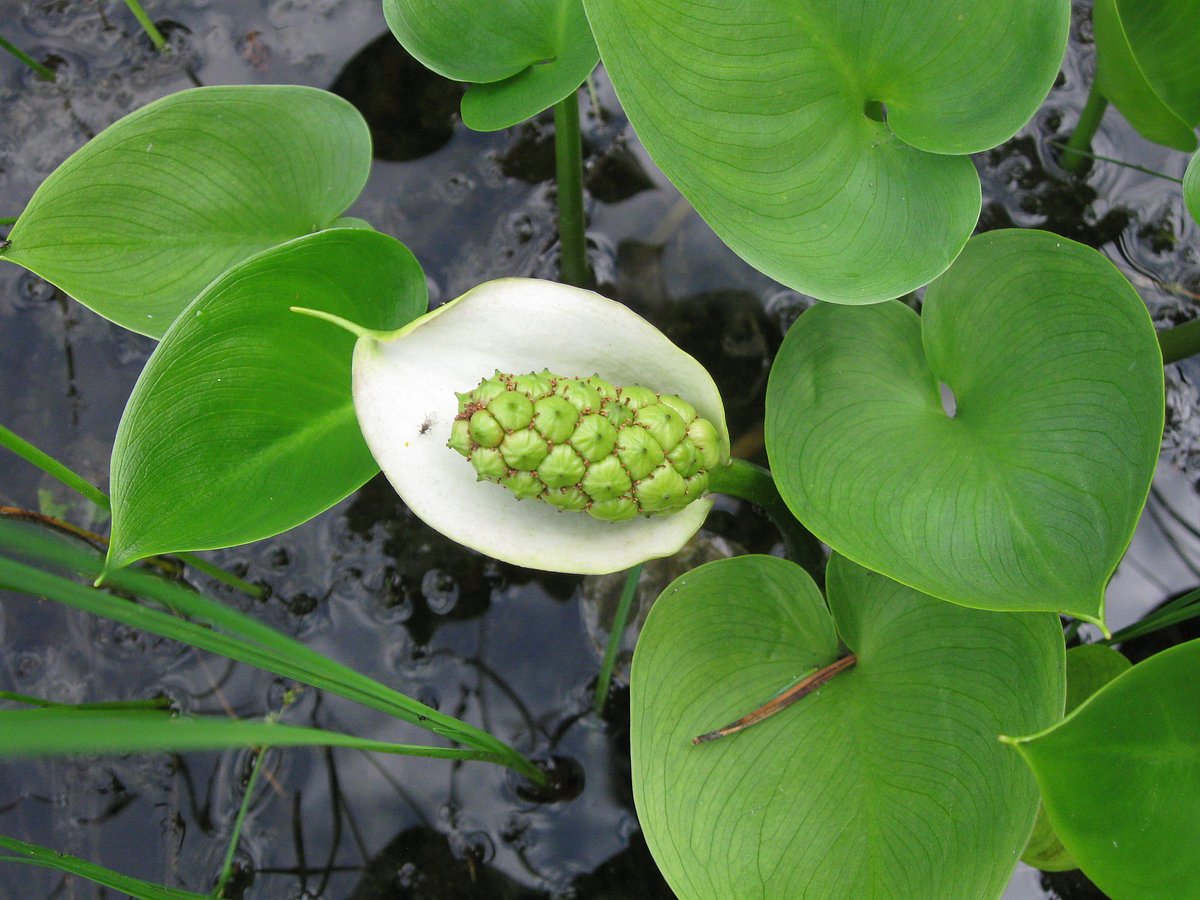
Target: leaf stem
81	485
44	72
148	26
236	834
568	158
754	483
1120	162
1178	610
796	692
1180	342
1078	146
620	618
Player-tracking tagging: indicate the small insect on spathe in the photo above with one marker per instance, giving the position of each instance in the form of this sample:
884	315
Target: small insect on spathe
427	423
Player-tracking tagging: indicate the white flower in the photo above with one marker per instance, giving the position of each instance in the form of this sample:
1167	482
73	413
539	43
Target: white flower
405	386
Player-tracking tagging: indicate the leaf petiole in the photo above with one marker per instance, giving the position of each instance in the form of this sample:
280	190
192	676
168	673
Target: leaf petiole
776	704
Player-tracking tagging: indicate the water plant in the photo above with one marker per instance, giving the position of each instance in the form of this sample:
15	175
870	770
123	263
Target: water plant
977	468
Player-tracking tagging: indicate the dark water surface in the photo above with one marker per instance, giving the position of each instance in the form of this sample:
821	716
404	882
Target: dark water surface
367	583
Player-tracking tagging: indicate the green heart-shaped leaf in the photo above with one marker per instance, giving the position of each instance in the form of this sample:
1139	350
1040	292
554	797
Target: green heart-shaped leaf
1120	778
1146	64
1026	497
766	113
242	424
140	219
887	782
522	56
1089	668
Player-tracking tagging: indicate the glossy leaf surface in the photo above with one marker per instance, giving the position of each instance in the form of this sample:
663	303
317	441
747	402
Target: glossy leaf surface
1027	496
521	56
1089	668
887	782
137	222
242	423
1120	778
405	387
1146	64
766	115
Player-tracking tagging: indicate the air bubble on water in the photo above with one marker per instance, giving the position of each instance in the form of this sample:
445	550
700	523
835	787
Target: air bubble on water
440	590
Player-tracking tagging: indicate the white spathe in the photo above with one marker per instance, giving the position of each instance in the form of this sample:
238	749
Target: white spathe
404	396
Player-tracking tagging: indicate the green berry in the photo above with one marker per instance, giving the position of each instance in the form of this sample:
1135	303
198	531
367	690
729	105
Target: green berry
512	410
594	437
606	390
664	424
583	397
606	479
707	442
616	510
460	437
524	484
561	468
685	458
534	386
489	464
555	419
636	396
524	450
638	451
572	498
686	411
482	395
695	487
661	490
485	430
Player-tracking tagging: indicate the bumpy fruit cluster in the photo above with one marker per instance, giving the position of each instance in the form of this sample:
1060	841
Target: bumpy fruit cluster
584	444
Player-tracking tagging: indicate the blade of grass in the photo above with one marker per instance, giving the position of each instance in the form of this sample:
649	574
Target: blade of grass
247	640
620	618
81	485
236	834
59	732
36	855
53	467
44	72
160	703
148	26
1179	610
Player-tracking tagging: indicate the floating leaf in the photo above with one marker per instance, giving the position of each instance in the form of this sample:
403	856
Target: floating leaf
768	114
1120	778
1089	668
1026	497
521	56
887	782
405	392
1146	64
242	424
140	219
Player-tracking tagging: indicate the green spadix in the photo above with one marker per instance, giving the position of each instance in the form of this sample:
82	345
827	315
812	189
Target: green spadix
585	444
